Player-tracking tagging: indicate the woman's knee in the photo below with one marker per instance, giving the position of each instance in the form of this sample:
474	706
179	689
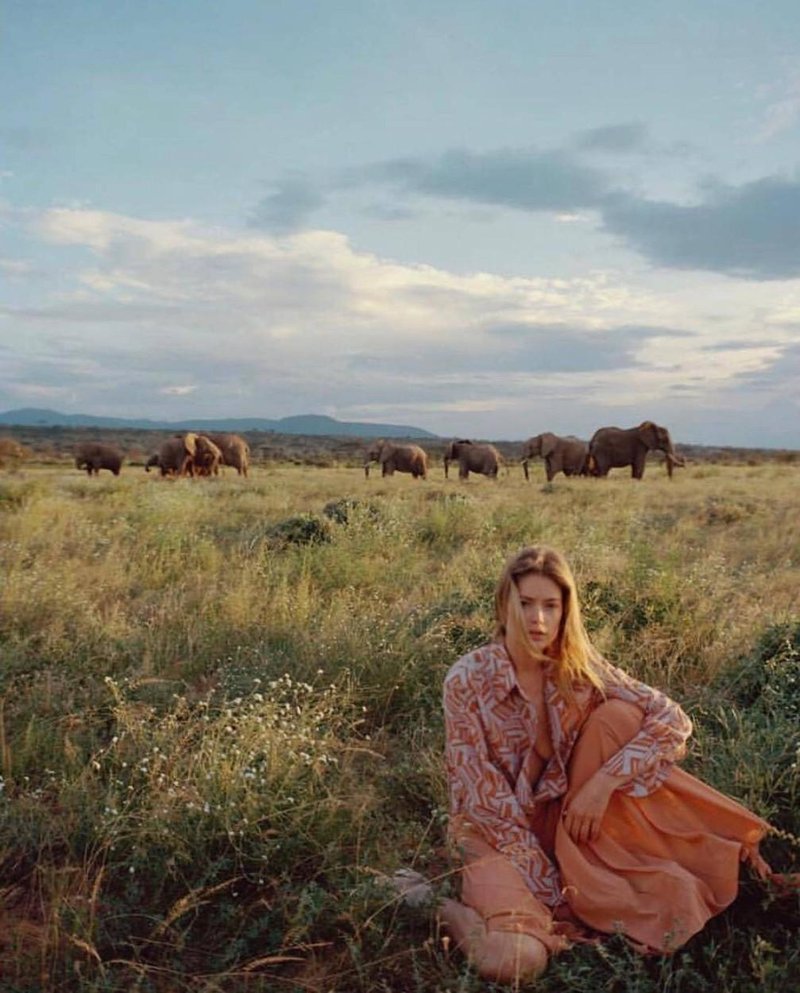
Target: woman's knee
619	718
507	957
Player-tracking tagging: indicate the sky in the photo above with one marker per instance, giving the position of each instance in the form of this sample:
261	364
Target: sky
484	218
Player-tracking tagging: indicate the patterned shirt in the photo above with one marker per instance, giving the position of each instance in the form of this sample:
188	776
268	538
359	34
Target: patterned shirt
491	762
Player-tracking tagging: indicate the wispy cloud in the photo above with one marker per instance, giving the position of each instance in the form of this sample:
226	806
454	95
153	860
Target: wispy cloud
782	112
633	137
522	178
288	208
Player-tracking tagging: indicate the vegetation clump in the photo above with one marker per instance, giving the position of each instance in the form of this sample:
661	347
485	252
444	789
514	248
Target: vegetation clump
300	529
343	510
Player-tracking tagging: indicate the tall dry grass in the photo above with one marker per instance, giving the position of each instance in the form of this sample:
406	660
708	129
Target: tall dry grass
219	711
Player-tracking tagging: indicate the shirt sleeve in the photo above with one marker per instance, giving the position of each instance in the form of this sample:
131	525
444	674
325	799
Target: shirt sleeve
645	761
480	791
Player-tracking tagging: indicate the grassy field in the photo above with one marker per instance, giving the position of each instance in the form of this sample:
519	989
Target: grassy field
220	712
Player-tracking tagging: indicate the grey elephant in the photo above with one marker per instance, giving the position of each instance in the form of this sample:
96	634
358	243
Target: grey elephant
176	455
95	455
235	451
613	447
397	458
561	454
483	459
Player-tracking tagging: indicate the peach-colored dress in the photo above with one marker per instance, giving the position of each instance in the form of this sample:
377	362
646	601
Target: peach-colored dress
670	847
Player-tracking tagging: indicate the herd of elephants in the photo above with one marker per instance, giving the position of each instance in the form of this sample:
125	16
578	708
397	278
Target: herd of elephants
194	454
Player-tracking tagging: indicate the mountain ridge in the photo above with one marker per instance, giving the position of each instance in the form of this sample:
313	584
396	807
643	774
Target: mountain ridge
306	424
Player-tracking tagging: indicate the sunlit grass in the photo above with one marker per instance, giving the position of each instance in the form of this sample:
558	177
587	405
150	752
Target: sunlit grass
220	709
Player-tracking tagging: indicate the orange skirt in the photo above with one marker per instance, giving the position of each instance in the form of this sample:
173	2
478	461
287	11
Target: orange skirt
663	865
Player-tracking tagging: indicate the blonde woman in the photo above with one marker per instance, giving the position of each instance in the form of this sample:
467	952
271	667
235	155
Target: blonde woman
566	804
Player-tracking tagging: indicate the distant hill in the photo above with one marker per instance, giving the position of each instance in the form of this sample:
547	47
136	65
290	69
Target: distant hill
309	424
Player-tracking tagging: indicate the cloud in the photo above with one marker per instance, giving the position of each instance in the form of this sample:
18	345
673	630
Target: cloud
528	349
780	375
747	231
170	318
520	178
614	138
750	231
783	113
16	268
287	209
570	349
178	391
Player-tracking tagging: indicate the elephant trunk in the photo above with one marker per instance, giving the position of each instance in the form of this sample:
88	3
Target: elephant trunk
446	466
366	469
673	460
525	469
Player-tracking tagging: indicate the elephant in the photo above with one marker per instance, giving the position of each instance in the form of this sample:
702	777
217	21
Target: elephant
95	455
176	455
567	455
235	451
483	459
614	447
397	458
207	456
11	451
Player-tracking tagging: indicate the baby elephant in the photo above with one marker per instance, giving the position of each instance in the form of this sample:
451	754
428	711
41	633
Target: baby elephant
94	456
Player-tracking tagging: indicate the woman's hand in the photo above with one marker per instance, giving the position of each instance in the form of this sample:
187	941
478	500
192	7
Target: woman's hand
583	812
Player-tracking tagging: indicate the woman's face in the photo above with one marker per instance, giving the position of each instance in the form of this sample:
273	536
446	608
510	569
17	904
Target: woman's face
542	608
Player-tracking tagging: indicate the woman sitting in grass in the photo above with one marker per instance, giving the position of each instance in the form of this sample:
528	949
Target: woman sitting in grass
567	806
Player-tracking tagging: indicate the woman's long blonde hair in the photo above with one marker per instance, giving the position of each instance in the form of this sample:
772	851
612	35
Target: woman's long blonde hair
577	659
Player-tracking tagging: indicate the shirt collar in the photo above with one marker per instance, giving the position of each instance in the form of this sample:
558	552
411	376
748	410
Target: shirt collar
504	677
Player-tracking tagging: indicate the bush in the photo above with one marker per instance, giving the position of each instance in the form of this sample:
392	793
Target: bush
302	529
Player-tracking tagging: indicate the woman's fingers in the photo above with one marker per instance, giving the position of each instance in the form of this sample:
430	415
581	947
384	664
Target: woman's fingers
581	828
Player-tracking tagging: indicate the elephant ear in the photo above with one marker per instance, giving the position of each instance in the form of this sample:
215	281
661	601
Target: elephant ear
190	443
648	432
548	444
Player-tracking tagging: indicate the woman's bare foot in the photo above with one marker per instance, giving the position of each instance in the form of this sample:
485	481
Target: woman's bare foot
501	956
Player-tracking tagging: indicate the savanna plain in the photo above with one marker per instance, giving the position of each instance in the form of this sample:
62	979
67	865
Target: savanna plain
220	714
